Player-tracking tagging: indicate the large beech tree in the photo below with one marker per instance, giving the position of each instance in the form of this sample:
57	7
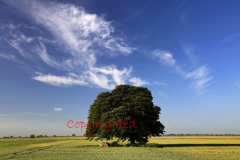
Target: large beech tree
125	103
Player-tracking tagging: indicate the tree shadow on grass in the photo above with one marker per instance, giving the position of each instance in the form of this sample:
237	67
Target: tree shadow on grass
83	146
166	145
197	145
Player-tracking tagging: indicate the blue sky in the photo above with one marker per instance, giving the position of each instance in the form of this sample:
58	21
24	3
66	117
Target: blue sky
57	56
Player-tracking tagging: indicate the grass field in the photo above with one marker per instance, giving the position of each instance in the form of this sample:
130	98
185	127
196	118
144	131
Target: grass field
178	147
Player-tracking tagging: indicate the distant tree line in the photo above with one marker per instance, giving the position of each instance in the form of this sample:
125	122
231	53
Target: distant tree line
33	136
201	134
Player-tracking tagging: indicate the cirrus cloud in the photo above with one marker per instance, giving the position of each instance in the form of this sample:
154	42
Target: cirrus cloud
138	81
200	75
82	35
59	80
165	57
58	109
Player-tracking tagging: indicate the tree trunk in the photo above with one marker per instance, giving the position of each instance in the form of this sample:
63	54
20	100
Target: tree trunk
132	141
132	138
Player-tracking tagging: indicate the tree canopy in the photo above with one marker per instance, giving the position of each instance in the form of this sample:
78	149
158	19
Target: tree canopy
130	106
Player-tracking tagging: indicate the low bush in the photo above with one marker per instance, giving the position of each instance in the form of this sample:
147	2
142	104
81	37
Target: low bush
32	136
39	136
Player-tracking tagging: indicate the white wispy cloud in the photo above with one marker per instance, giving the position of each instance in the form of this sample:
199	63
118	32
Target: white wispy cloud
73	75
231	38
18	40
99	76
202	82
15	44
82	33
38	114
163	94
101	80
9	57
199	75
183	16
58	109
160	83
41	51
26	27
201	79
165	57
117	75
4	115
201	72
188	50
106	77
26	39
199	85
138	81
24	113
83	36
59	80
237	84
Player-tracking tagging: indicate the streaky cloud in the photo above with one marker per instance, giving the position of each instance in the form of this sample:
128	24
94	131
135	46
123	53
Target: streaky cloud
237	84
138	81
199	75
59	80
188	50
161	83
58	109
9	57
165	57
201	72
84	37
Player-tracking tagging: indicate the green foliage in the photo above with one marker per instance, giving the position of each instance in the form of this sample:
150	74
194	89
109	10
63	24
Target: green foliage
54	135
32	136
73	135
124	103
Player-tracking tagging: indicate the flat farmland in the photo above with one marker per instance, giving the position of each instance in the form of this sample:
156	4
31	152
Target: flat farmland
177	147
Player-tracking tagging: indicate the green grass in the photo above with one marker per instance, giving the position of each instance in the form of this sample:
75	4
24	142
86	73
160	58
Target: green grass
78	148
10	142
20	143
